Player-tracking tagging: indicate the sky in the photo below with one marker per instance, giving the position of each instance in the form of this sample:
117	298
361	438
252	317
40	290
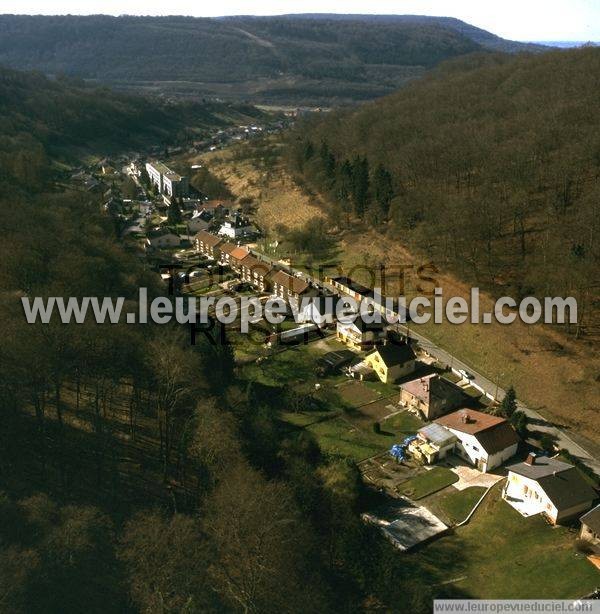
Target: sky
525	20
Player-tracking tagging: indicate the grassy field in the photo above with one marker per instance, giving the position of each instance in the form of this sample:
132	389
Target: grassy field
457	505
428	482
500	554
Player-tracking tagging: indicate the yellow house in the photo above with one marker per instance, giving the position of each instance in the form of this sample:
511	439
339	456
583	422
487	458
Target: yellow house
392	361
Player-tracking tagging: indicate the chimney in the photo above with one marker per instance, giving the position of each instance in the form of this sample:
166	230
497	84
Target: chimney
530	460
464	417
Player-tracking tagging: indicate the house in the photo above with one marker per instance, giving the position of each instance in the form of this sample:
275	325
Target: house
590	526
256	272
197	222
236	226
483	440
162	238
431	395
433	443
225	250
235	257
348	286
542	485
208	244
392	361
359	334
218	208
386	306
319	310
291	288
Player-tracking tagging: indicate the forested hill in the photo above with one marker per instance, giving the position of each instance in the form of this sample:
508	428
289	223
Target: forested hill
274	59
481	37
41	117
489	166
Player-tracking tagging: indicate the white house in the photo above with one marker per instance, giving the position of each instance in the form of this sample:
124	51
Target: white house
236	226
483	440
542	485
319	310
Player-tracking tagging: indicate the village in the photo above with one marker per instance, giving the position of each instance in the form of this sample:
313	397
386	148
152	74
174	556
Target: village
431	439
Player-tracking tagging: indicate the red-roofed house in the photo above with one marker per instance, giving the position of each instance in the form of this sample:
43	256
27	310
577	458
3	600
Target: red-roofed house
207	244
432	395
255	272
484	440
291	288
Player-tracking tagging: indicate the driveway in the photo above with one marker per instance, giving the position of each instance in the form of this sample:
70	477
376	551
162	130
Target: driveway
469	476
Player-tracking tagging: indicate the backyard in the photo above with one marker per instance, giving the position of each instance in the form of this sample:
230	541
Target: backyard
503	555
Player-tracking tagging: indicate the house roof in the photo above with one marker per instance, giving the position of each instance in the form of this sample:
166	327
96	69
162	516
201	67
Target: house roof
430	386
352	285
363	326
493	433
292	283
208	238
497	438
562	482
592	519
256	265
567	488
543	466
470	421
215	203
227	248
239	253
395	353
437	434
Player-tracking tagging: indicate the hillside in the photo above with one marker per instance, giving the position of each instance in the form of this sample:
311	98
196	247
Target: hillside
290	59
40	117
478	35
489	166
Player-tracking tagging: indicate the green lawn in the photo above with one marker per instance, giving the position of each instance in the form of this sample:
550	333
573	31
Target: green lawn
457	505
341	438
504	555
402	424
428	482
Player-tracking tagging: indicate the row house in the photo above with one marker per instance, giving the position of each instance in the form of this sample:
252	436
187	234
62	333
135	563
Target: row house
208	244
255	272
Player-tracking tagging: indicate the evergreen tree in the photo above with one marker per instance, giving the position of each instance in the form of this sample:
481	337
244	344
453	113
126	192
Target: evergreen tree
519	421
344	187
174	213
509	403
328	164
308	151
360	185
384	191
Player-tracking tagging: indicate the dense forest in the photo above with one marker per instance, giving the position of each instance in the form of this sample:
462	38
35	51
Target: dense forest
42	120
140	473
277	59
490	166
